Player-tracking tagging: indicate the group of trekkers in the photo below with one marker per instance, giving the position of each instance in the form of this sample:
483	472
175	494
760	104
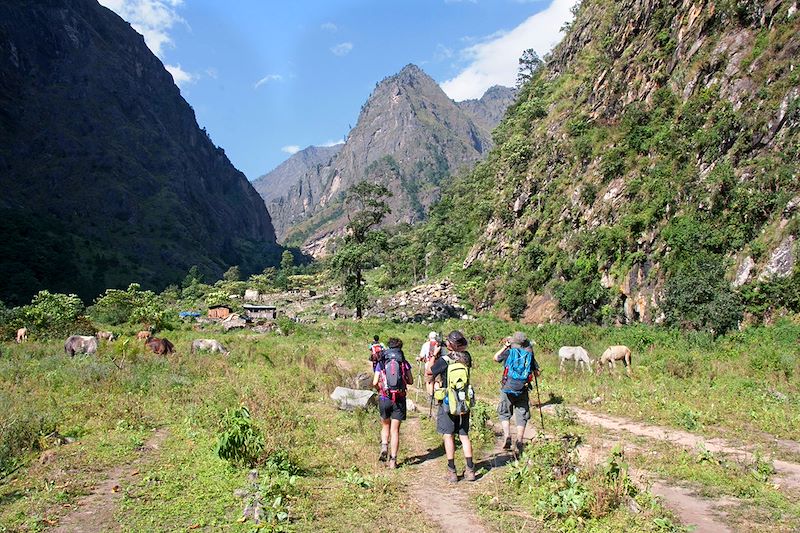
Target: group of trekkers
447	367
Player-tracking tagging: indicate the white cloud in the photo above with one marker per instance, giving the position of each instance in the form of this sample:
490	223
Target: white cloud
266	79
328	144
212	73
329	26
342	49
291	149
180	76
495	60
152	18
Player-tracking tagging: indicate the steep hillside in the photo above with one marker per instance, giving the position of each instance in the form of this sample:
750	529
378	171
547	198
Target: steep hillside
106	177
489	109
277	182
648	172
409	136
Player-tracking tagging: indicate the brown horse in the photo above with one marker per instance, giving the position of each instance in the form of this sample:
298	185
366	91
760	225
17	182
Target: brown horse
160	346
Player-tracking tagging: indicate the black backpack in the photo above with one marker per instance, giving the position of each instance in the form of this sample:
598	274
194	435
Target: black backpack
393	372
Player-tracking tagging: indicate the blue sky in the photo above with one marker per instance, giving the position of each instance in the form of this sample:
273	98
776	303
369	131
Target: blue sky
266	78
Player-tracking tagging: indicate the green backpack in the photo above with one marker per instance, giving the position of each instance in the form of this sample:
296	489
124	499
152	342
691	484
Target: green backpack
460	395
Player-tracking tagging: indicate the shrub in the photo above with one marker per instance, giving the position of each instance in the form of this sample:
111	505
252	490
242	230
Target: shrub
52	315
240	441
132	305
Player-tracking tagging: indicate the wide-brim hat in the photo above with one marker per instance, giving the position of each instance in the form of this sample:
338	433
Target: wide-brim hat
432	336
457	339
519	339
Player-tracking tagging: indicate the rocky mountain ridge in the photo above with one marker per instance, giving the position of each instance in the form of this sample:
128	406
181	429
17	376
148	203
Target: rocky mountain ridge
648	172
409	136
106	177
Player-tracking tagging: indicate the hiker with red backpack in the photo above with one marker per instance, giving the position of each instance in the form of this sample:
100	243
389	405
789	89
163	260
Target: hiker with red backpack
392	376
375	349
520	368
456	398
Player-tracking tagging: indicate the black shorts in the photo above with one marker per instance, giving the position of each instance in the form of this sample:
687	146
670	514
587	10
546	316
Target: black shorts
447	424
394	410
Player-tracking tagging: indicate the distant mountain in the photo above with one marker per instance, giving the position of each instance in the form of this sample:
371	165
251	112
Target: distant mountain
409	136
278	181
490	108
106	177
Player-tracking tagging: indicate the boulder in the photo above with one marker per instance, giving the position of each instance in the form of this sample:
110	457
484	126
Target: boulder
363	381
349	399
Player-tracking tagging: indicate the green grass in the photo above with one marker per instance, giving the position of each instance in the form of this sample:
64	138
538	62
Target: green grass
112	405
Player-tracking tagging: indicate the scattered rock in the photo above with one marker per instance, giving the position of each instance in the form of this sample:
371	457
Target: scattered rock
410	405
781	262
362	381
423	303
597	400
743	272
349	399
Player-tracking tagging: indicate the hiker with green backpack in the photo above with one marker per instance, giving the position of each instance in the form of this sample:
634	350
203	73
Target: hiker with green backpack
520	367
456	398
392	376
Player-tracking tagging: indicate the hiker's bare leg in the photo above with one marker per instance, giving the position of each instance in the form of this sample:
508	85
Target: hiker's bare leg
395	432
466	444
449	446
385	431
506	429
520	433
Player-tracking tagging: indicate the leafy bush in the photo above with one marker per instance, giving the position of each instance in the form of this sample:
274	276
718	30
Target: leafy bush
132	305
240	441
53	315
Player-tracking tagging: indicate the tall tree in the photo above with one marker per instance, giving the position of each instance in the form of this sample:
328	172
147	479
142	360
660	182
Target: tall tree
529	64
366	207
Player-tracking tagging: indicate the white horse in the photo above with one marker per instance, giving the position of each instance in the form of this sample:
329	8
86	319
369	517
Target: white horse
577	354
614	354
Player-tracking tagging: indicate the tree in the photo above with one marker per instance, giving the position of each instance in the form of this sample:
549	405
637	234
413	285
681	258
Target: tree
232	274
194	276
366	207
529	64
287	262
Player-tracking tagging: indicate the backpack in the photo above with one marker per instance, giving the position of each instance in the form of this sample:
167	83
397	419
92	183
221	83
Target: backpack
393	373
460	396
375	352
518	371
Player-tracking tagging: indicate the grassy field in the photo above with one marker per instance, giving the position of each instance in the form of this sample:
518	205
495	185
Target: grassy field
317	464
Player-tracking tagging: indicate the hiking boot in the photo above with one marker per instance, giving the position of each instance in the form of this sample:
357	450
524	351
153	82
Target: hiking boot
392	463
384	453
469	474
452	477
507	445
520	447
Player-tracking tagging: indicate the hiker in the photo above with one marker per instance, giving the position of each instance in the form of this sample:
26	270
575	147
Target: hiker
375	349
392	375
520	367
456	398
431	350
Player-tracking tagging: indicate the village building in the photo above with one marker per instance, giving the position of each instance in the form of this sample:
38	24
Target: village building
219	311
269	312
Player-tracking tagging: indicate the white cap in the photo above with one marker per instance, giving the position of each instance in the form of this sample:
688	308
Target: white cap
432	336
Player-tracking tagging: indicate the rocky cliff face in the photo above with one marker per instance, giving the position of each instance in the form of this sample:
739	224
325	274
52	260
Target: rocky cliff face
409	136
106	176
658	145
277	182
489	109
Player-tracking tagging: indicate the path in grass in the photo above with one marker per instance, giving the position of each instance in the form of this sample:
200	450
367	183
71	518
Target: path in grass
95	512
788	474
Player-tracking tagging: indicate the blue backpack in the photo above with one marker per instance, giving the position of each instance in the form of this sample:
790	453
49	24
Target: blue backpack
518	371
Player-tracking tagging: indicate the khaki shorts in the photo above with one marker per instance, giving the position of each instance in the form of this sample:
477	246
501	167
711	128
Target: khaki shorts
517	405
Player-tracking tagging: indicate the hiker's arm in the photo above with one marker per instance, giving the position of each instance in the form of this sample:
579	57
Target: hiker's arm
375	378
501	354
409	375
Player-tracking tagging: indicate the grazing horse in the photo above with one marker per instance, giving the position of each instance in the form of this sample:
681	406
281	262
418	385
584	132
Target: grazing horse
105	335
160	346
208	344
22	335
614	354
80	344
574	353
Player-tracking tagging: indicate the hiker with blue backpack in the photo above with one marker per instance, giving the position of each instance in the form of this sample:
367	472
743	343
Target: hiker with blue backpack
520	368
392	376
456	398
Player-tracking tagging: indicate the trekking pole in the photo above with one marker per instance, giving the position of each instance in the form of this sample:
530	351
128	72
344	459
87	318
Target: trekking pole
419	382
539	399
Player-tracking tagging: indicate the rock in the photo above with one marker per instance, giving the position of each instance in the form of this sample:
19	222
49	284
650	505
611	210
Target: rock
743	272
633	506
781	262
410	405
363	381
596	400
349	399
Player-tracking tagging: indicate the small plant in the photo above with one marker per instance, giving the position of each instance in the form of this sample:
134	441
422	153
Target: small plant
354	477
568	501
566	415
240	442
761	468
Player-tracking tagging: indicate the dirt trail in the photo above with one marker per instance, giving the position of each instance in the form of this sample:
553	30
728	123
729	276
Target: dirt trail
95	512
450	508
788	473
